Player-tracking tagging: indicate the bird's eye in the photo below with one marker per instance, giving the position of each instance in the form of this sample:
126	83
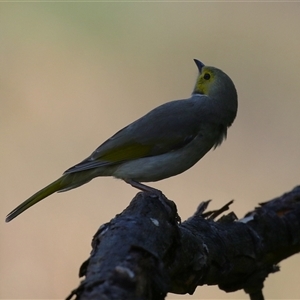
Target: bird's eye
206	76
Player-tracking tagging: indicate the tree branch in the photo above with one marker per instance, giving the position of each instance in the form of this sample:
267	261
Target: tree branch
145	252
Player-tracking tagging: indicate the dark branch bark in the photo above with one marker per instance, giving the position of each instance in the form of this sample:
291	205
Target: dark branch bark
145	252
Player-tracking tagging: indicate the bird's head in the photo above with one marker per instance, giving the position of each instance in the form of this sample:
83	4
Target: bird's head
217	85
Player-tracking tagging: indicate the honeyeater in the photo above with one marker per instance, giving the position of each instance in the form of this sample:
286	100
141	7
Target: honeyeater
165	142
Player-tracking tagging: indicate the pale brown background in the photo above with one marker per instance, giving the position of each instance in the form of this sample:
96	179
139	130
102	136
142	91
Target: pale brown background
72	74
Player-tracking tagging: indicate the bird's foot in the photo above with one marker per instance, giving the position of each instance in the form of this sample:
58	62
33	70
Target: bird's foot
155	193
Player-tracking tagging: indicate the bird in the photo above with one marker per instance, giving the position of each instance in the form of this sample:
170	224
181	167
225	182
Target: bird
165	142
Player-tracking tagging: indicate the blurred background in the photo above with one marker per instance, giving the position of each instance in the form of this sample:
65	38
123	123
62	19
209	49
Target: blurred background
72	74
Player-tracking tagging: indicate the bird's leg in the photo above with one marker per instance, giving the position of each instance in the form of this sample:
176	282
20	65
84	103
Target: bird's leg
143	187
168	204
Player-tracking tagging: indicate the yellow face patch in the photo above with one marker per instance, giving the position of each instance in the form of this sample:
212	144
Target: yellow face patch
204	81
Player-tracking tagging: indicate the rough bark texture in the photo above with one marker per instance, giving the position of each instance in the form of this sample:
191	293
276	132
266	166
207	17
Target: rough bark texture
145	252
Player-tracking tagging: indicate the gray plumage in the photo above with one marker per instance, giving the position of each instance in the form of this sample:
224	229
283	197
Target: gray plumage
163	143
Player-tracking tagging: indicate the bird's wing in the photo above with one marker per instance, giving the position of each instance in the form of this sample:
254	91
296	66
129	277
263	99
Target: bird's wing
164	129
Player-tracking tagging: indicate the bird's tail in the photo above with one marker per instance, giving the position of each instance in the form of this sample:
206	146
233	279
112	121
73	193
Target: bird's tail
40	195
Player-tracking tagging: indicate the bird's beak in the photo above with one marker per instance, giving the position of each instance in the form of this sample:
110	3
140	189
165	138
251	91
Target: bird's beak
199	64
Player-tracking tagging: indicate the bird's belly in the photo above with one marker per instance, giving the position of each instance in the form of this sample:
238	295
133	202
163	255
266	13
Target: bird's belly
154	168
